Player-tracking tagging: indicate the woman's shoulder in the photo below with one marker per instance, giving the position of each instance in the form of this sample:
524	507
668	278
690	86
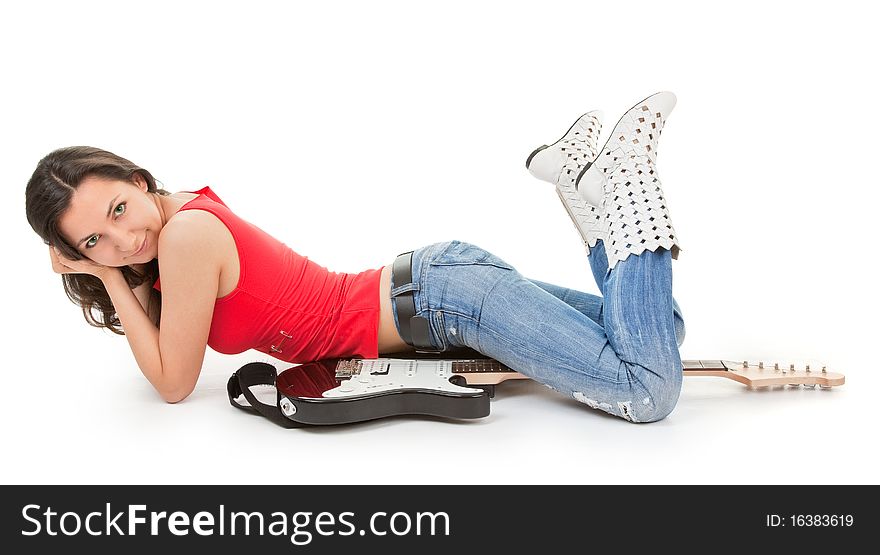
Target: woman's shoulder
181	198
193	226
198	241
186	218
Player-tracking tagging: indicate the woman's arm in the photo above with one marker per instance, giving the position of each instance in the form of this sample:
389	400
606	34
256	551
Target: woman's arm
189	261
143	292
141	333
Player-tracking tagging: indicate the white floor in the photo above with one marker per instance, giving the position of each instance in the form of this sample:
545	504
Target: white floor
114	429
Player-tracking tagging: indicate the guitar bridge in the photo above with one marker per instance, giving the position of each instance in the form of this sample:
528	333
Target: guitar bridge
348	368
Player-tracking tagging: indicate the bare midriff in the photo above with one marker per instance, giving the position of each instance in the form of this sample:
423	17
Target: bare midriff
389	338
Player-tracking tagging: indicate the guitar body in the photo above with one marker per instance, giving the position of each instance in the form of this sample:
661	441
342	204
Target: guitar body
340	391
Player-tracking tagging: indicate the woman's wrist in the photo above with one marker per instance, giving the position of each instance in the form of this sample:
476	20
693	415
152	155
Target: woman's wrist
110	275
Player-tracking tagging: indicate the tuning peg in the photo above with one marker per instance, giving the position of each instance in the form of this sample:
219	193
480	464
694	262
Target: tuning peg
761	365
823	370
776	366
825	386
791	367
810	385
808	370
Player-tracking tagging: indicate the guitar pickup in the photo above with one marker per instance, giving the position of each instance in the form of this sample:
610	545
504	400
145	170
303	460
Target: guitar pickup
383	371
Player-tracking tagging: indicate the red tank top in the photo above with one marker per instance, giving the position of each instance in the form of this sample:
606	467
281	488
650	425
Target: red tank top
281	293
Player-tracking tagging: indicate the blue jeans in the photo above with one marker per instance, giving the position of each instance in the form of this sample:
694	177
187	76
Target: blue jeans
617	353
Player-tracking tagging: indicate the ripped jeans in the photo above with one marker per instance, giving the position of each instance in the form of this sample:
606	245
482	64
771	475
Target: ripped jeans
617	353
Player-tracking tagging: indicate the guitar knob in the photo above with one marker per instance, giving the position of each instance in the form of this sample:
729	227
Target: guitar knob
776	366
745	364
761	365
808	368
346	386
791	367
823	370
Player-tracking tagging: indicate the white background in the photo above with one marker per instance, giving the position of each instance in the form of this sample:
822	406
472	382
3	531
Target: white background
355	131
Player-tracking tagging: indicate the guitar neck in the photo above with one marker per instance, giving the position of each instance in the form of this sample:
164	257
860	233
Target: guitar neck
489	371
492	367
485	371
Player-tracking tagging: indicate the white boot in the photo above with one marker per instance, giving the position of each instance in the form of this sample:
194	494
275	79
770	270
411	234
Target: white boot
562	162
635	214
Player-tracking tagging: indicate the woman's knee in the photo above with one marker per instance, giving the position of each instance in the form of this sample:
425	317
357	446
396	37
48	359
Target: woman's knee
663	398
640	406
661	386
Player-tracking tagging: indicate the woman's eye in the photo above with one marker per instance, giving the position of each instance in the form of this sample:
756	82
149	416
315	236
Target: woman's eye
118	211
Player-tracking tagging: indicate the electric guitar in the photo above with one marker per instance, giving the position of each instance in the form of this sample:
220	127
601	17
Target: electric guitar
338	391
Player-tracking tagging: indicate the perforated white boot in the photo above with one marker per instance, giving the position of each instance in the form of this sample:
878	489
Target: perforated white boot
562	162
636	217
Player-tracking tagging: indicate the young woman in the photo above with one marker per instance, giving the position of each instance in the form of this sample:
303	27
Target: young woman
228	285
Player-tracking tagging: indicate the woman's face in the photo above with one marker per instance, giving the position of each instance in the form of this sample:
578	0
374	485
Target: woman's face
108	221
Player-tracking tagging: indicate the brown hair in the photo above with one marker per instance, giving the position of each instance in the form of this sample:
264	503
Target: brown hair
47	197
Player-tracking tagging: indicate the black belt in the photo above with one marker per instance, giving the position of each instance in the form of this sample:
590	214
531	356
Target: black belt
415	330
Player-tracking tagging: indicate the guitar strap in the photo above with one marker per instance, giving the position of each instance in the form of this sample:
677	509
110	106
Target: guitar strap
256	373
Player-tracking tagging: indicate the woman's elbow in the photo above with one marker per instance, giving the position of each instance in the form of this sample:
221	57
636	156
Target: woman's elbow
175	394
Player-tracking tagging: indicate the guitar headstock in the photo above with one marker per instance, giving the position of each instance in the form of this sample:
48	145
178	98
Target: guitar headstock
760	374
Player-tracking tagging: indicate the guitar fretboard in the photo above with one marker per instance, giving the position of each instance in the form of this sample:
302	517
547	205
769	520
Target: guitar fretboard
489	365
688	366
478	366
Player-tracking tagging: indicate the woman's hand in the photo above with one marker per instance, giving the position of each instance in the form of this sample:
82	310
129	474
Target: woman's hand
63	265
